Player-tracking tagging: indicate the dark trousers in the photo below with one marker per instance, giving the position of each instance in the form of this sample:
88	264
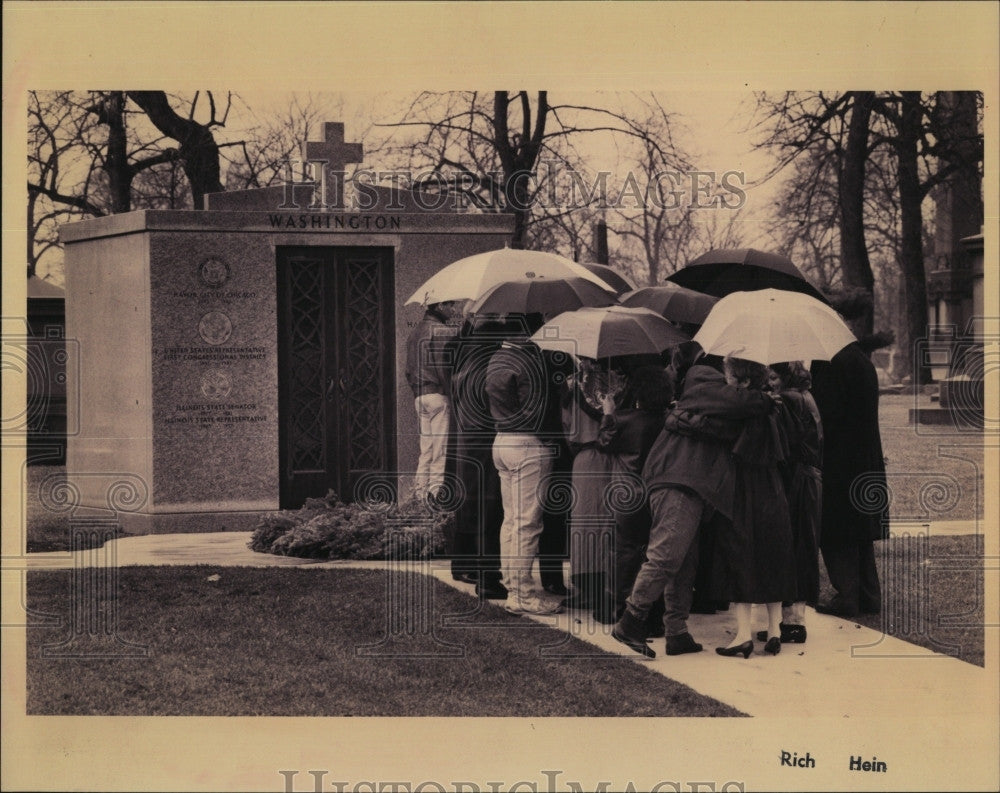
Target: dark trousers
628	554
553	544
475	545
853	573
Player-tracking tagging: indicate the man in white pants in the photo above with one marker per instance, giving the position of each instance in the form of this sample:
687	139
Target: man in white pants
427	373
518	391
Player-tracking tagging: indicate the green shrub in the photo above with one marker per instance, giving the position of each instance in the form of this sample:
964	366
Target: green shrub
328	528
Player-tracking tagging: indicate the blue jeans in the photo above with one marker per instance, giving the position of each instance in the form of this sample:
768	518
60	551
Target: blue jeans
524	464
671	558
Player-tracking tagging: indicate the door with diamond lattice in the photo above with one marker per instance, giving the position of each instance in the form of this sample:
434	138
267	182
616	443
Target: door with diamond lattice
336	369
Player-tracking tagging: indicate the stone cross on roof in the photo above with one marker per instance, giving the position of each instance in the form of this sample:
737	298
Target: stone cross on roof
334	154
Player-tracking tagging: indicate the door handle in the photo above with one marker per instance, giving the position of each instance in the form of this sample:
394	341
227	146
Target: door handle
330	383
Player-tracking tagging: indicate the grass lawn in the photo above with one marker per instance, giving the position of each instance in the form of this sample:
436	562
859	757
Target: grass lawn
933	472
283	642
932	592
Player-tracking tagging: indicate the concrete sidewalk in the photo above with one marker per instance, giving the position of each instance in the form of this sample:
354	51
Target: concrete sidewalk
844	669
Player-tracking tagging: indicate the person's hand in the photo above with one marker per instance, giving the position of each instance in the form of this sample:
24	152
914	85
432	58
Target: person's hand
607	403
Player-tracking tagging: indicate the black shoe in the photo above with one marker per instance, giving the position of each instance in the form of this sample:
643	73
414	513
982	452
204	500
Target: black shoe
466	577
491	591
740	649
556	588
631	632
836	610
773	646
790	634
682	643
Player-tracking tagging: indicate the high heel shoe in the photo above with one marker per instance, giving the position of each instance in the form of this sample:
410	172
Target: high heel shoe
740	649
773	646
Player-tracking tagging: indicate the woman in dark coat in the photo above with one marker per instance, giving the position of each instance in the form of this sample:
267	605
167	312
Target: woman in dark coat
855	498
591	525
754	552
803	486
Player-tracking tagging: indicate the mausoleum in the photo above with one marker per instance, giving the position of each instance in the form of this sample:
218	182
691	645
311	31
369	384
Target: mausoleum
238	359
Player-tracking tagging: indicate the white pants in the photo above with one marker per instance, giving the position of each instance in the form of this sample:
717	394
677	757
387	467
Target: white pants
524	464
434	415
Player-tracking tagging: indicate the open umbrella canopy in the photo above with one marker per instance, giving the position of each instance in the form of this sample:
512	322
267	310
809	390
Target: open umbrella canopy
542	296
672	302
770	326
722	271
469	278
608	332
613	278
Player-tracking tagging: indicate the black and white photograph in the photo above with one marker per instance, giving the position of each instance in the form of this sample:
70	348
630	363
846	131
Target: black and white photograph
500	396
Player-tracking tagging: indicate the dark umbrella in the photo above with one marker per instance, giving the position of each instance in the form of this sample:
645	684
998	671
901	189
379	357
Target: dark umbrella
671	301
610	332
613	278
541	296
723	271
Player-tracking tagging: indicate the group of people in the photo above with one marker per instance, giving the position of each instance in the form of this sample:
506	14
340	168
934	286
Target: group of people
669	482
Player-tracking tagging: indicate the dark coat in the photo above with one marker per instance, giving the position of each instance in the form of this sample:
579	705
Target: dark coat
695	448
427	370
855	498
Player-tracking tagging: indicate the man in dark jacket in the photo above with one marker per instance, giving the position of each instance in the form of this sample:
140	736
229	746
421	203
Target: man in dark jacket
474	543
427	373
855	498
690	475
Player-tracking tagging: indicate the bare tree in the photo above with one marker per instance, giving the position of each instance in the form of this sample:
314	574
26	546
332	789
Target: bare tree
505	152
103	152
274	143
884	152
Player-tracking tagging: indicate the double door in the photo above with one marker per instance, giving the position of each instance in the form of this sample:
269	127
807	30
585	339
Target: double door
336	369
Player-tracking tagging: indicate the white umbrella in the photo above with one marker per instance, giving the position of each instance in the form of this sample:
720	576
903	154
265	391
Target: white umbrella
771	325
469	278
608	332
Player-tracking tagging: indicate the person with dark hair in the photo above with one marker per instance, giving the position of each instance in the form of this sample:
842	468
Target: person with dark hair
474	542
804	490
690	475
591	520
627	432
754	552
518	387
855	498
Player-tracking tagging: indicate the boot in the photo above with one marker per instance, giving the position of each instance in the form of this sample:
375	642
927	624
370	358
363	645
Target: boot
682	643
631	631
